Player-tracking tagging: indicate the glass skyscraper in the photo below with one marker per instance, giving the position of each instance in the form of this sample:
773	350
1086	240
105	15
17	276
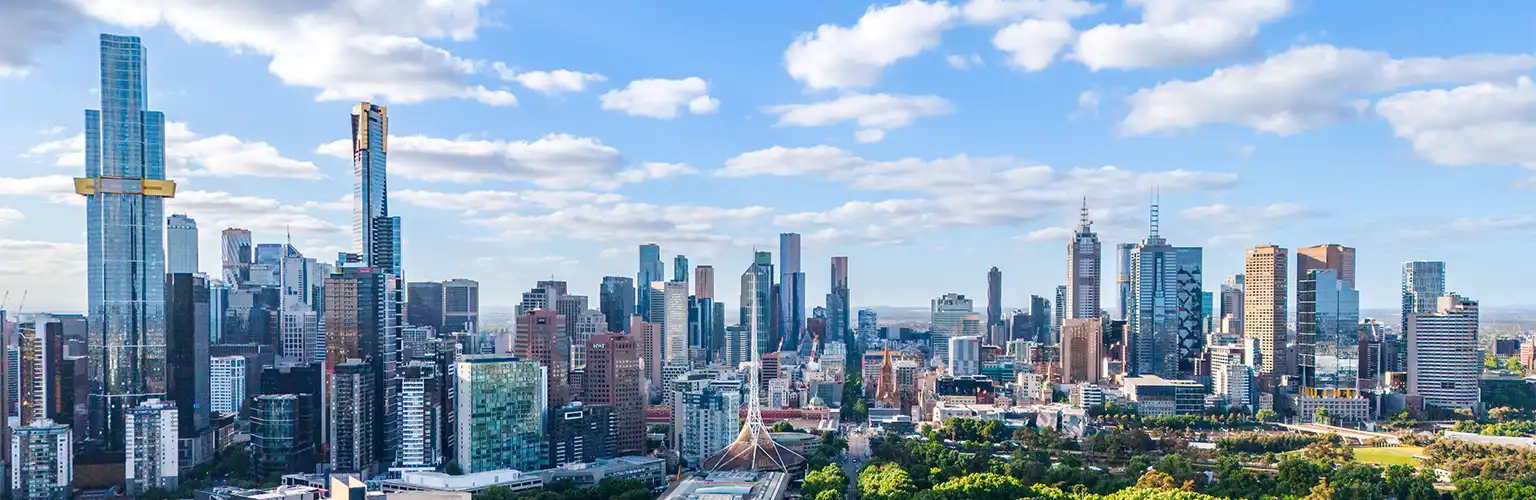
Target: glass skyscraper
125	190
1327	331
370	147
650	272
181	244
791	293
501	406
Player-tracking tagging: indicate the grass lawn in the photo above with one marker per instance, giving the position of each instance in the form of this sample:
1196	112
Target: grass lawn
1394	455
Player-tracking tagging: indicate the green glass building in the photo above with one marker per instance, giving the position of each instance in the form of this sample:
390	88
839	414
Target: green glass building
502	402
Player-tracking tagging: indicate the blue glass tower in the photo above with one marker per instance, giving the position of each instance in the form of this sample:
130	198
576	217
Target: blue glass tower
650	272
370	148
792	293
125	190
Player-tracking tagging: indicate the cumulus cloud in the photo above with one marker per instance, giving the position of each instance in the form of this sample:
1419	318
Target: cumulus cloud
56	188
347	49
28	24
661	98
189	154
1032	44
9	215
555	82
873	113
1301	89
1243	224
478	201
1054	234
1177	33
629	222
991	11
835	57
962	62
266	215
1480	124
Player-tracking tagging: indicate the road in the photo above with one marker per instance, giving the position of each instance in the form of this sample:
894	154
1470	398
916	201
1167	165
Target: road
854	458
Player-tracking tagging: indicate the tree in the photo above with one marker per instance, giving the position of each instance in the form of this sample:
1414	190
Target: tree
1157	480
1514	365
1322	415
453	468
886	482
782	426
1267	415
1506	414
1320	492
829	478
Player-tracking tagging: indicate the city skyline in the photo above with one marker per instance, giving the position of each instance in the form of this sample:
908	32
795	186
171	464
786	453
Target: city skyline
285	166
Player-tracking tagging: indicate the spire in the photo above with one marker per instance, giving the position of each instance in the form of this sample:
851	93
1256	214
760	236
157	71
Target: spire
1154	211
1153	238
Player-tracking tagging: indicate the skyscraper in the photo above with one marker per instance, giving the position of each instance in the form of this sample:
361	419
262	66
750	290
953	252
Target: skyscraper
792	292
711	338
41	461
424	304
152	460
125	190
951	316
237	255
1082	345
1152	326
1083	259
353	436
839	309
1443	364
756	301
1423	285
616	300
705	418
1123	279
674	320
1327	330
362	323
541	338
1059	314
461	306
1339	258
994	297
613	380
180	244
964	356
226	379
370	196
650	272
1232	304
1264	304
187	345
680	268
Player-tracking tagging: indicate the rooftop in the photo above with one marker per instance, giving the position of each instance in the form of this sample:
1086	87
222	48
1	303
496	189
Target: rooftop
732	485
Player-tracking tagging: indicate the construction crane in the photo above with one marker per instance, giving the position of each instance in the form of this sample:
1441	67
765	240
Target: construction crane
5	299
23	301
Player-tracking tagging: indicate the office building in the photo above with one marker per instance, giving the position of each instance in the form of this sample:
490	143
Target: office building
839	307
352	420
501	408
362	322
1155	396
757	308
705	413
1165	319
461	306
1339	258
125	190
1060	314
616	300
424	304
951	316
1083	262
964	356
1231	315
187	345
1082	343
1327	330
581	433
680	268
180	244
791	293
1423	285
1444	364
648	338
1264	305
151	454
541	338
994	298
650	272
1123	252
613	380
227	381
282	438
673	314
41	461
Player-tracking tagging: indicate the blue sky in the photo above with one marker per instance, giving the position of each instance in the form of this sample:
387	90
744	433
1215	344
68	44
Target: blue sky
926	141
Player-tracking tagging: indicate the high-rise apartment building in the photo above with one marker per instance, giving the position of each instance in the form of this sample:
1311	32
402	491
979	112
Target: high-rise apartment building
1444	365
352	420
1327	330
370	196
994	297
650	272
501	408
226	379
1082	345
236	257
125	191
616	299
951	316
41	461
1423	285
705	413
421	413
1083	263
362	322
151	454
792	292
180	244
1264	305
613	380
541	338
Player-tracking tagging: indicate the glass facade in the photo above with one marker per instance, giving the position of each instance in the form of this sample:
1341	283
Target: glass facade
125	146
1327	331
650	271
370	144
502	402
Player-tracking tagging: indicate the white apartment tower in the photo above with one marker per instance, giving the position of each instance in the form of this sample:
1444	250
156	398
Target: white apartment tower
1443	362
151	459
227	383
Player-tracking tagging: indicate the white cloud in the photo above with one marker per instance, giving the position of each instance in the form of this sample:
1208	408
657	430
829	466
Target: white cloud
835	57
342	204
9	215
57	188
1088	103
191	155
962	62
549	82
348	49
1301	89
1240	225
1479	124
555	161
1032	44
874	113
1177	33
475	202
655	170
54	130
1054	234
661	98
266	215
869	135
28	24
628	222
991	11
40	258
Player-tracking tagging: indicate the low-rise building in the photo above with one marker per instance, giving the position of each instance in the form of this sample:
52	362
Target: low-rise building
649	470
731	486
1155	396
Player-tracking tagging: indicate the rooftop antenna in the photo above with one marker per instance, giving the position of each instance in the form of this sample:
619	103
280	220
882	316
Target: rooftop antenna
1155	199
1085	222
